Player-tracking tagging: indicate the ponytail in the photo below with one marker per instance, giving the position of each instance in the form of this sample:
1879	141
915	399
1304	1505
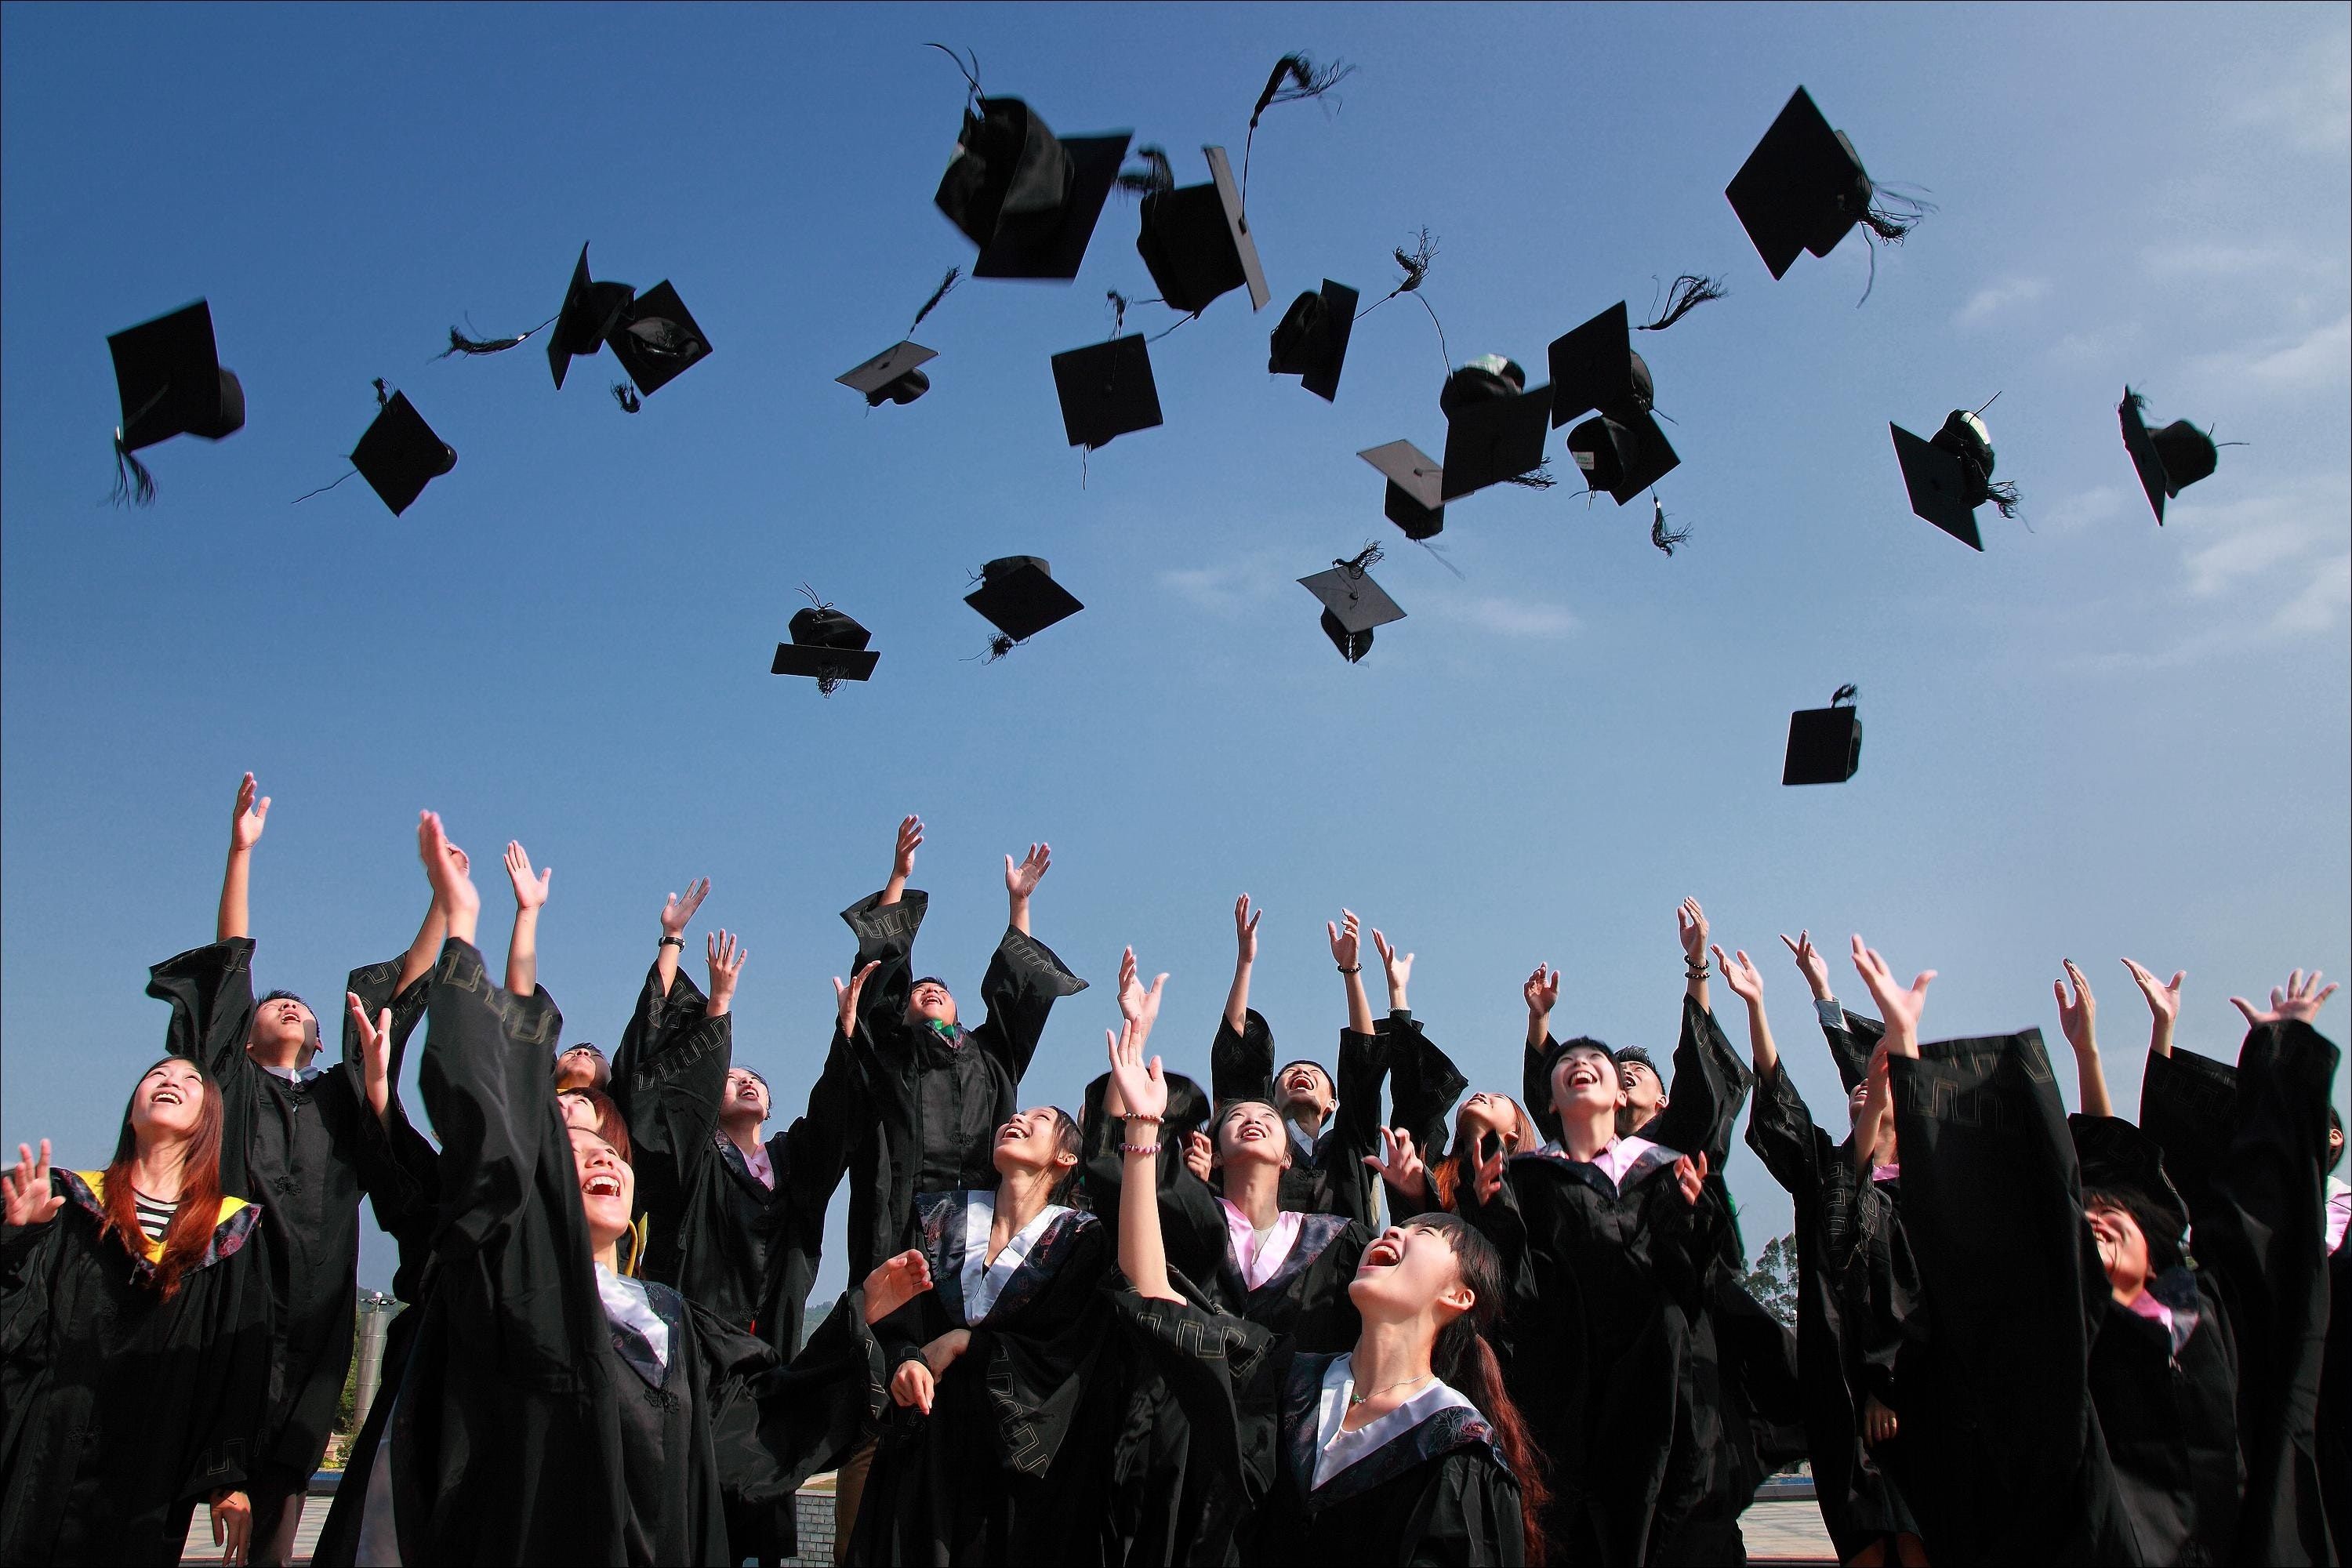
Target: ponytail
1465	1360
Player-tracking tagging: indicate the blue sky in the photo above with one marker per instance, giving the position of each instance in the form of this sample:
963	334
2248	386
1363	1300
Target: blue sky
2099	737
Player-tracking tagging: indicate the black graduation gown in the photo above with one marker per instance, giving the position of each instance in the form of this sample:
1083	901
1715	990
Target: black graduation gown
120	1410
935	1103
1013	1462
1855	1284
1438	1493
1606	1291
2245	1149
1424	1083
1334	1179
304	1152
520	1432
2169	1415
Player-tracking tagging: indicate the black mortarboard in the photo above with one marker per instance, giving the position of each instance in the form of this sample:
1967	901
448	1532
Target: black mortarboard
169	375
1416	495
1027	198
2168	460
826	645
1824	743
1491	438
1018	597
1352	605
1107	390
1938	489
1594	367
400	454
591	311
1622	456
1311	342
656	340
2113	1154
1802	188
1195	239
891	376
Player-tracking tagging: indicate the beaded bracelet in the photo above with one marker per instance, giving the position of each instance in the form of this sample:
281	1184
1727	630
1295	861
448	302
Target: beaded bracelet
1138	1148
1140	1116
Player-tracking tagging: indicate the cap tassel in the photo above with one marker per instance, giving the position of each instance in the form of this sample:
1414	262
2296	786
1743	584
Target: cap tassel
134	485
998	646
460	343
1689	292
1845	693
1356	565
1539	477
971	72
626	397
1664	538
1157	177
1295	78
2003	495
1416	270
955	276
1891	215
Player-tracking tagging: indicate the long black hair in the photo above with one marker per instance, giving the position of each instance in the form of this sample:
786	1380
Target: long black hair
1465	1359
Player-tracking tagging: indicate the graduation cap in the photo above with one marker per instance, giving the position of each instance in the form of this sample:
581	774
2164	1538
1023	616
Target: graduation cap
1196	240
1621	457
400	454
1594	367
1018	597
2168	460
1311	340
591	311
1824	743
1352	603
1951	475
827	646
1027	198
169	376
891	376
1416	495
1804	186
1494	431
1107	390
656	340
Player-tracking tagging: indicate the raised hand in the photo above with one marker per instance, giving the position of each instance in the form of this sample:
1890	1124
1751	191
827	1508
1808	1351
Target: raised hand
1399	1165
1022	879
844	999
725	956
1347	943
529	892
1130	989
1690	925
453	886
245	827
1200	1155
912	1384
31	1199
1398	964
1810	963
1142	1088
910	838
2078	1017
1741	976
1899	1007
1542	992
1490	1177
1245	928
896	1282
2299	1001
2163	1005
375	1052
1690	1175
676	911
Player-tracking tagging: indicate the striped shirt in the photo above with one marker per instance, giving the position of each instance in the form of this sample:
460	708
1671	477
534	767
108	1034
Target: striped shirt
154	1218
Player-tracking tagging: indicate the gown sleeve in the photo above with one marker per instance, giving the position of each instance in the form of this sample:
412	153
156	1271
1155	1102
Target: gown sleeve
773	1424
815	1154
210	991
1471	1517
1241	1067
232	1396
885	935
488	1091
669	1074
1535	1087
1355	1125
1781	1132
1710	1083
1424	1084
1025	979
1225	1374
2189	1105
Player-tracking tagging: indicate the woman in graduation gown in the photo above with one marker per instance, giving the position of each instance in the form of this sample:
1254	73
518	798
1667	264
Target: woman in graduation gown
551	1409
134	1340
1403	1449
1854	1286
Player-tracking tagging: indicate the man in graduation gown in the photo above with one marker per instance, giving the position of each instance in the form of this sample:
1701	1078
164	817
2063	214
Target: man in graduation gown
299	1142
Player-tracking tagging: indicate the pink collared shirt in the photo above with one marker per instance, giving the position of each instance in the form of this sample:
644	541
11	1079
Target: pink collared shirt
1254	1260
762	1169
1614	1160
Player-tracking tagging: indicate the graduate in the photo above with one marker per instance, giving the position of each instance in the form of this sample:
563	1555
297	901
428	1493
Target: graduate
1404	1448
1855	1283
1330	1128
134	1340
1420	1182
552	1409
300	1142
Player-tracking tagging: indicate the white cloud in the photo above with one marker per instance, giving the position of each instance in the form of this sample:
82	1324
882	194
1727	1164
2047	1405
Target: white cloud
2229	542
2204	258
1226	590
2308	361
2306	101
2321	604
2098	504
1516	617
1993	299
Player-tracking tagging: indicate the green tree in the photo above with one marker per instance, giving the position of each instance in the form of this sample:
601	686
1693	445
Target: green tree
1773	1280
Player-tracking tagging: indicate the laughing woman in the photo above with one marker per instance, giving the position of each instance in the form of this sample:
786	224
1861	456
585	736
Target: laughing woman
134	1340
1403	1449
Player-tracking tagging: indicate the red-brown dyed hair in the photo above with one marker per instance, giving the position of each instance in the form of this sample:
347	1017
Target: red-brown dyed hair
190	1230
1445	1177
1465	1359
611	1125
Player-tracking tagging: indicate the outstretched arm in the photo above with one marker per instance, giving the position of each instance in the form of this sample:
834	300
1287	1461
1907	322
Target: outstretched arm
902	862
1143	1090
677	913
2163	1005
245	826
1021	881
1900	1007
1347	952
1690	925
1746	984
522	946
2077	1020
1245	956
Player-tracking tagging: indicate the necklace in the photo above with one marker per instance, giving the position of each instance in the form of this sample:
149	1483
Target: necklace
1355	1399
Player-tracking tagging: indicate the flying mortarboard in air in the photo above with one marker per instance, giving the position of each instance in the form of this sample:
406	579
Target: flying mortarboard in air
894	375
1028	198
1804	187
1018	597
1311	340
1950	476
1416	500
171	381
1594	369
1824	743
2168	460
398	454
1352	603
651	335
1106	389
1495	427
826	646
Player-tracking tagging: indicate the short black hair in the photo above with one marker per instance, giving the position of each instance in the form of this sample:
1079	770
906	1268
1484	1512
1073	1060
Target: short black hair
1559	1051
2155	1227
1068	1140
930	979
1637	1057
2336	1125
1302	1062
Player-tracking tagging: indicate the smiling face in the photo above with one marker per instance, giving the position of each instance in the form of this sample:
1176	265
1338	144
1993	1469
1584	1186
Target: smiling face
284	1030
929	1003
608	1188
1485	1113
1584	1081
1250	1129
1409	1271
2122	1249
746	1097
1035	1140
1645	1096
169	1101
1304	1087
